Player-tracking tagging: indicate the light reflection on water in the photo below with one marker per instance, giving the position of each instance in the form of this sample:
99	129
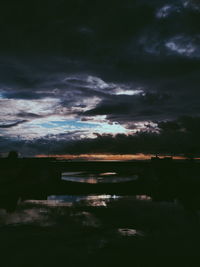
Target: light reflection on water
87	200
49	202
129	232
69	201
49	212
90	200
40	212
94	178
26	216
143	197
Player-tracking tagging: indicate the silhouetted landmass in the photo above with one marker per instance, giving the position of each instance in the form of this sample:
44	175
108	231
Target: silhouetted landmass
162	179
146	233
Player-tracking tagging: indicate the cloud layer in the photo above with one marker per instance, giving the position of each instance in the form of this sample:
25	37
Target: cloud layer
71	70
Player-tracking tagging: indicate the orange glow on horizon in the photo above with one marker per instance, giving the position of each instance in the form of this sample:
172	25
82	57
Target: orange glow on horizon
106	157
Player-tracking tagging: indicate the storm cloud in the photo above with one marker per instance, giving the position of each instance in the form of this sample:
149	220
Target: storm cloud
81	67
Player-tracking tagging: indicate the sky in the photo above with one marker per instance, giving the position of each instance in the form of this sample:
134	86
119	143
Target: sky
91	76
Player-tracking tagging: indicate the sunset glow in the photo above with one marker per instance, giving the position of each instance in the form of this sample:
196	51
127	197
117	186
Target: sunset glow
106	157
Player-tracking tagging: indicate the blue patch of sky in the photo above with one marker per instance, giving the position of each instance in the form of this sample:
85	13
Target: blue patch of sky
70	124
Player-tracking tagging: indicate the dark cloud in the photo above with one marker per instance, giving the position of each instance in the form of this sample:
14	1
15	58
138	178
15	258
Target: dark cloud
153	106
78	50
12	124
23	95
28	115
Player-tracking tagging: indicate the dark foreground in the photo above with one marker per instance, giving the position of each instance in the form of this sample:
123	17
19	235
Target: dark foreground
127	231
154	222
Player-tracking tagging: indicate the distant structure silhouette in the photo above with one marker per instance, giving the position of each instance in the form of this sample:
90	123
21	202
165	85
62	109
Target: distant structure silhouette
157	158
13	155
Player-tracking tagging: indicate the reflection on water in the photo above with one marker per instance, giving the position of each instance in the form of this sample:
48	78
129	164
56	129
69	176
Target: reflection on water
107	173
129	232
26	216
75	199
40	211
143	197
69	201
87	200
86	219
49	202
94	178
